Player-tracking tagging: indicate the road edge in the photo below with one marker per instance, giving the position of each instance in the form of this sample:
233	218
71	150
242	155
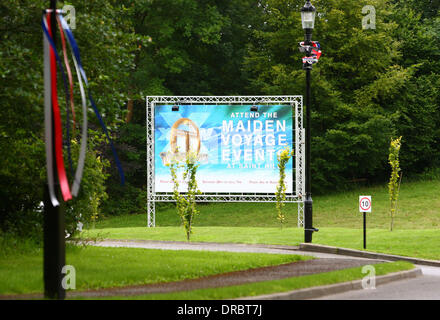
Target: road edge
311	247
317	292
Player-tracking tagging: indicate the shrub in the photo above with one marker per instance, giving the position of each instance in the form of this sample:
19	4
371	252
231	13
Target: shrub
283	158
186	202
393	184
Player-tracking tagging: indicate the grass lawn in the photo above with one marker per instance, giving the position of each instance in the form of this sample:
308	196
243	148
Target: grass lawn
274	286
416	229
113	267
418	208
416	234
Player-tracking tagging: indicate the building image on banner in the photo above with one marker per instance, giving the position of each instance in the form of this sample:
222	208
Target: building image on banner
235	140
181	142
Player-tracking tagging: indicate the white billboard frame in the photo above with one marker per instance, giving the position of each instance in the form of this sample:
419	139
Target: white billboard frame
298	192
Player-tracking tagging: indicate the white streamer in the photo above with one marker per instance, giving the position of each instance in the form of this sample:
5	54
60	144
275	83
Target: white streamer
48	123
83	148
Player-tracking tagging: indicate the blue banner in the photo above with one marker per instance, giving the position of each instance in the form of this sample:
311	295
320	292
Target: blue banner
236	148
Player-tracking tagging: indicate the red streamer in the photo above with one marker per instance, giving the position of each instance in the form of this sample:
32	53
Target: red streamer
64	185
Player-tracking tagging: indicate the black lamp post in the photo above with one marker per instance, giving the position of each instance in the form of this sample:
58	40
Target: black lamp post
308	22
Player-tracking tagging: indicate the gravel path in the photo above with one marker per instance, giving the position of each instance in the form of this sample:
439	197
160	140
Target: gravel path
212	246
294	269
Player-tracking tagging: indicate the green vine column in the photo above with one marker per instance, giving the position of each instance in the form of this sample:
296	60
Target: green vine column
280	193
186	202
393	160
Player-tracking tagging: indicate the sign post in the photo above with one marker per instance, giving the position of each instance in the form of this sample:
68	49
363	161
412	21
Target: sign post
365	206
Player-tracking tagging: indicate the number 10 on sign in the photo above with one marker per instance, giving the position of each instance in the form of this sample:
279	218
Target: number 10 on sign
365	206
364	203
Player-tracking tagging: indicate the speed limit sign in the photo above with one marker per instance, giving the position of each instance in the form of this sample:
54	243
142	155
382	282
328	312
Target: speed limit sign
364	203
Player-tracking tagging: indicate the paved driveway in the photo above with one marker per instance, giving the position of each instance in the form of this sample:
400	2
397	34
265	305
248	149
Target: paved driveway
426	287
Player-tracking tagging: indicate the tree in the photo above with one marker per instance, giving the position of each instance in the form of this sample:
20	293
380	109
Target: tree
185	47
107	51
353	85
418	109
393	185
280	193
186	201
197	47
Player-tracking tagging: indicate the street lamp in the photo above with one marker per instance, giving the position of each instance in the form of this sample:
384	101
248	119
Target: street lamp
308	13
308	16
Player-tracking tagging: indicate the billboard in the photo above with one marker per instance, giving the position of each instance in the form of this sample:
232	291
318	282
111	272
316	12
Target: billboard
237	148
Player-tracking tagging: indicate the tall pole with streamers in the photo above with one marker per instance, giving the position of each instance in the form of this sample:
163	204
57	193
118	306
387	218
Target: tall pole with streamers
54	214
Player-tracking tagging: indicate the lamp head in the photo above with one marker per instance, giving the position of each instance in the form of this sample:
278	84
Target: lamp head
308	13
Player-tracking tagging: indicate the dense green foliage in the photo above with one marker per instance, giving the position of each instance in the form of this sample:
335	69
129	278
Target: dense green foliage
107	48
364	89
370	85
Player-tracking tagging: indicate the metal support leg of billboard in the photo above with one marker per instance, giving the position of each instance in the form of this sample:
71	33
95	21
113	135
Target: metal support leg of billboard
151	209
151	205
300	160
297	196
